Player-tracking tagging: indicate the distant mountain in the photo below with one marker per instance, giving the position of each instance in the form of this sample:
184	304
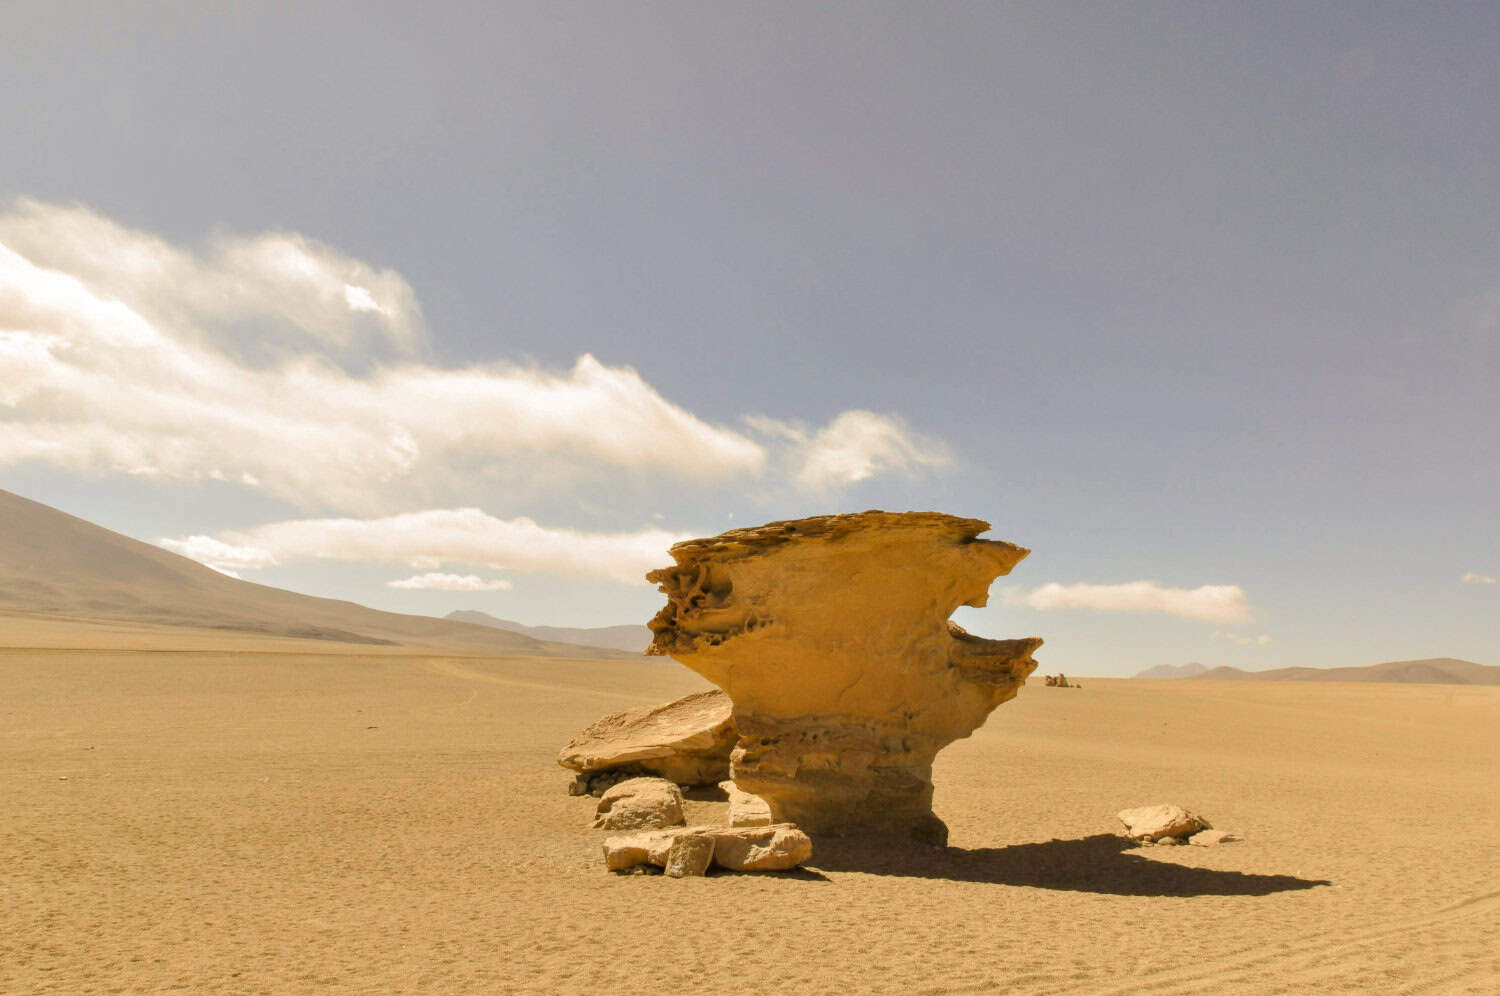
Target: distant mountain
632	639
1173	671
1429	671
56	564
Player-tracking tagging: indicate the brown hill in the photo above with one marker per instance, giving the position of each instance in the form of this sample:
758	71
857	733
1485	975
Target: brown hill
634	639
1429	671
56	564
1173	671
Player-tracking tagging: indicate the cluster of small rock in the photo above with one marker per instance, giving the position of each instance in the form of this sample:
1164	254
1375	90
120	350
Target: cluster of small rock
596	783
686	851
653	808
1167	825
1059	681
617	761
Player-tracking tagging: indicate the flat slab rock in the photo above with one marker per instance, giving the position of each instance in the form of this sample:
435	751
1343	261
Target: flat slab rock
1212	838
779	847
686	741
1152	823
640	804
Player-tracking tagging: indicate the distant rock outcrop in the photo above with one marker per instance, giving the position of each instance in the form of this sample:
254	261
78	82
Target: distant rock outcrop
831	635
687	741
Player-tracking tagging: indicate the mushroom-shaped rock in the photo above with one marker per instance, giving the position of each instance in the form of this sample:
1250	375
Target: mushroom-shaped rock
686	741
831	636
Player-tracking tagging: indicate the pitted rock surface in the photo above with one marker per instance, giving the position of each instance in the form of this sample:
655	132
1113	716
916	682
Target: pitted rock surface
831	636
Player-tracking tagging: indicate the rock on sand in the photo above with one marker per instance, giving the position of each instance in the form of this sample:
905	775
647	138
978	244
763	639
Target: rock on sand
1155	822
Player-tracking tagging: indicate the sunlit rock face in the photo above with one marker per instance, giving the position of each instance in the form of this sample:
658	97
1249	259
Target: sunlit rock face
831	637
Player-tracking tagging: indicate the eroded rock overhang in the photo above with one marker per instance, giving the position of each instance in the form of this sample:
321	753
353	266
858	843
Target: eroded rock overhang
831	636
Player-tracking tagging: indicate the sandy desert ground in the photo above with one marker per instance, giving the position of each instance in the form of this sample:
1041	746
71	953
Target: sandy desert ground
207	813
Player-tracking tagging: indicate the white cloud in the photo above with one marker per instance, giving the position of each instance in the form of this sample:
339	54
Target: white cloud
449	582
278	363
854	447
1224	603
433	538
290	289
1473	578
225	558
1244	641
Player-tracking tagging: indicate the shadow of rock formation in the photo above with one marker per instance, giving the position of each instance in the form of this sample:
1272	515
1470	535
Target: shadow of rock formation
1103	864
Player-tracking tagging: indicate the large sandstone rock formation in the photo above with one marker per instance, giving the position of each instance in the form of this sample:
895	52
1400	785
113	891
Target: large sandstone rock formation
686	741
831	636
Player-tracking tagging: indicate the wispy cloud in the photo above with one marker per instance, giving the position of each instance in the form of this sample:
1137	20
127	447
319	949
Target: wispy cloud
289	289
856	446
1243	640
449	582
1472	578
434	538
227	558
277	363
1223	603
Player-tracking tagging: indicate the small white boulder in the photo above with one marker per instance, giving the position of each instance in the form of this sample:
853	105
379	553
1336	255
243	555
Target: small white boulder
1152	823
640	804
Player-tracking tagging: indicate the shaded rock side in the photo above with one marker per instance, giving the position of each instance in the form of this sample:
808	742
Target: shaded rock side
687	741
640	804
831	635
746	810
1153	823
689	855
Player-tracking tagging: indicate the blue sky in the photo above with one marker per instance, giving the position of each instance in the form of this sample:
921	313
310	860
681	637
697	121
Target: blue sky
1201	302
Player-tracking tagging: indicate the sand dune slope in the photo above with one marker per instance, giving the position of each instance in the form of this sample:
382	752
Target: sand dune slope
374	820
55	563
